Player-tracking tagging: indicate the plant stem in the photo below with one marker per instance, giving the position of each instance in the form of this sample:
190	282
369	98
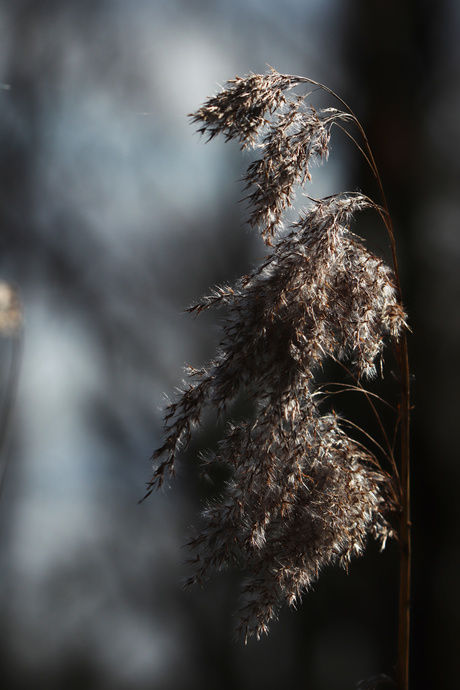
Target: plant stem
402	668
405	527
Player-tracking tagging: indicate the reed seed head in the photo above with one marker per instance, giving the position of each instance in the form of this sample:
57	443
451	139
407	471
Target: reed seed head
302	493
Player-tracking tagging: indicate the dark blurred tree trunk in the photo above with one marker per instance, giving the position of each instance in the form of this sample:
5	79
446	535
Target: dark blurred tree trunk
392	52
393	47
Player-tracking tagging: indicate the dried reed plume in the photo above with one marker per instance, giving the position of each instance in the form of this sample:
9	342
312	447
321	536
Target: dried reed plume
301	494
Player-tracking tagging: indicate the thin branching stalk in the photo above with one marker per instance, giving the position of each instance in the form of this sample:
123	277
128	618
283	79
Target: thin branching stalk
404	371
405	526
302	493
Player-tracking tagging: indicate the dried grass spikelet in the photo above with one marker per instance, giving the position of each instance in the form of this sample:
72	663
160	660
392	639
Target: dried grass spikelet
302	493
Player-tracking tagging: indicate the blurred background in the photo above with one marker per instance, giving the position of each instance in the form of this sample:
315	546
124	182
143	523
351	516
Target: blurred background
114	217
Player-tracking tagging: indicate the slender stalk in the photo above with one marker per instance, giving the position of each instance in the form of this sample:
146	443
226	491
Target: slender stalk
402	668
405	527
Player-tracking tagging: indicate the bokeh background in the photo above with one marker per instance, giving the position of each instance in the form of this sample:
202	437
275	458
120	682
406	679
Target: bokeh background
114	216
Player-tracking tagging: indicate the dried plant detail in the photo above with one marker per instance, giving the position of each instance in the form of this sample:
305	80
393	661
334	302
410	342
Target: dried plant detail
302	493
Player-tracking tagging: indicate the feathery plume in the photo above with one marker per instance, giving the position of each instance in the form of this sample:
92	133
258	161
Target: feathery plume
302	494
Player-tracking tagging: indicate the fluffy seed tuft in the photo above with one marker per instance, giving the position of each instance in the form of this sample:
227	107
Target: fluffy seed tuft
302	494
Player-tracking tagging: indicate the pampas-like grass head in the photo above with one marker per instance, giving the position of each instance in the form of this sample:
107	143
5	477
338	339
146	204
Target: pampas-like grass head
302	493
